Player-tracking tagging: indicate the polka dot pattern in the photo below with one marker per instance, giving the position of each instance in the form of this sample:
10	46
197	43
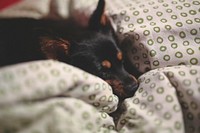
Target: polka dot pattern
165	31
50	93
167	100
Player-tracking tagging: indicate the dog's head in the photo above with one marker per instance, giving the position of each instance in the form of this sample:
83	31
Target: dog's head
97	53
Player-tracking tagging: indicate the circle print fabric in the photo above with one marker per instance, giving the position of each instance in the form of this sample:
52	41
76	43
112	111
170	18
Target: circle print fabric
160	32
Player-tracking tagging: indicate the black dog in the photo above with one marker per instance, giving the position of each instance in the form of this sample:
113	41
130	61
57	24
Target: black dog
93	49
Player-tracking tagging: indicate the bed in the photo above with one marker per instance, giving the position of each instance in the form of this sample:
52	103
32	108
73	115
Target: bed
161	38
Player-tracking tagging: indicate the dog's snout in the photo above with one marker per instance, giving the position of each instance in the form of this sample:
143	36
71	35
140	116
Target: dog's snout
131	86
131	89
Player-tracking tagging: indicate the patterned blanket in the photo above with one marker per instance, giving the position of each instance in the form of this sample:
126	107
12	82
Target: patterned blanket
160	37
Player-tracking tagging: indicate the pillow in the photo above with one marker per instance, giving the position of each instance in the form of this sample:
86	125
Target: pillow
158	33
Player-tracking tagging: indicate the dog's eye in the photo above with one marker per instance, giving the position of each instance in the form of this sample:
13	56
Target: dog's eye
119	56
106	64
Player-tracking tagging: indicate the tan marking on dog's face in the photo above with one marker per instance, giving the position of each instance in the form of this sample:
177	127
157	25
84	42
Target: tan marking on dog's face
106	64
103	20
119	56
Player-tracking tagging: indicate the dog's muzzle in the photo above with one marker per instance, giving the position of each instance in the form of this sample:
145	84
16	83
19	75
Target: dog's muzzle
124	88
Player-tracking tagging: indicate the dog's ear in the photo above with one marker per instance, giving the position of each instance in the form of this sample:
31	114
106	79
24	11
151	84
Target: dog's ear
98	20
54	47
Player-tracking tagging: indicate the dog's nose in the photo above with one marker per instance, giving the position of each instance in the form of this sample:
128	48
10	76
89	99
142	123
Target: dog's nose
131	89
131	86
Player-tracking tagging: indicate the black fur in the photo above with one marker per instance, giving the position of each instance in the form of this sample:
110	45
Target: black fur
88	47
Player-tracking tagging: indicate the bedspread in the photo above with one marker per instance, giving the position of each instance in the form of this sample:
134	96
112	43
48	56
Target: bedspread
161	38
